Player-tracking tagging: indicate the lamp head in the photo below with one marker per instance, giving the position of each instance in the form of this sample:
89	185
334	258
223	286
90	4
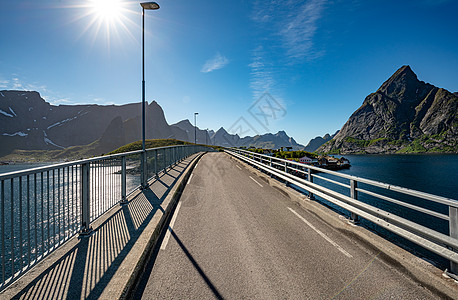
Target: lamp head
150	5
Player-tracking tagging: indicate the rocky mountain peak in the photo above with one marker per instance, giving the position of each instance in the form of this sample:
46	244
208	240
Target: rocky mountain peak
185	122
282	133
403	85
403	115
221	131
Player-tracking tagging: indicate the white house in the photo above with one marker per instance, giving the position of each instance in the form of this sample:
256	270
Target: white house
306	160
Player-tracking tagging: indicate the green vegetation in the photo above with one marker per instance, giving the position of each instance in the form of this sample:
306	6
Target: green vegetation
148	144
359	143
293	155
155	143
414	147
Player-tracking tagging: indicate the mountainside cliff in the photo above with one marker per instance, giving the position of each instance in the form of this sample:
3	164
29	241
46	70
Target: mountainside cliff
405	115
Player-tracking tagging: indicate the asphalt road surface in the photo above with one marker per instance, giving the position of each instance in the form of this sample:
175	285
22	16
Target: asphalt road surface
236	237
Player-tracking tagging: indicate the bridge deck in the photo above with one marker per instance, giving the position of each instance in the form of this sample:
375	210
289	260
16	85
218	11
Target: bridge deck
235	236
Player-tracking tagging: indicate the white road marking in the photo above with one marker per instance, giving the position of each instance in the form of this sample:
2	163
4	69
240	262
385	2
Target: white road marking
238	167
189	180
169	230
320	233
255	181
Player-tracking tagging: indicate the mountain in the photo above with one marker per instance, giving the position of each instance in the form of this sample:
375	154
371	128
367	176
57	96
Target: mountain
318	141
266	141
202	135
28	122
404	115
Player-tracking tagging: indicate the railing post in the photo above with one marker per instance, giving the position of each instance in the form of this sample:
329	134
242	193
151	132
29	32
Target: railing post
354	194
85	200
123	181
310	179
453	225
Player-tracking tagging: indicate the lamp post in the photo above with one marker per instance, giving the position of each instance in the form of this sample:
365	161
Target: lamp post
195	128
149	6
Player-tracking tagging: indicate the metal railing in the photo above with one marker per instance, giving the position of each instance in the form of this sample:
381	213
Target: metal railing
42	208
435	227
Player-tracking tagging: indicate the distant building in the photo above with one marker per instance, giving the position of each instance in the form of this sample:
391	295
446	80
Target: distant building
307	160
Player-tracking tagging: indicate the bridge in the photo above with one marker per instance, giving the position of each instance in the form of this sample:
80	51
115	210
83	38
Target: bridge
181	222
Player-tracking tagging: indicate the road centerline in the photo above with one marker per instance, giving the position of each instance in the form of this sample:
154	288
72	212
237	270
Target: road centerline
256	181
169	230
321	234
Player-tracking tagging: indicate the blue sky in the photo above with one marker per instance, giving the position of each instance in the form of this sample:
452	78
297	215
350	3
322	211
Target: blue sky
309	63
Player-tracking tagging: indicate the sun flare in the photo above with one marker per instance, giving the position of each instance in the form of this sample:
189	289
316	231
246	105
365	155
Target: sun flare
106	10
106	20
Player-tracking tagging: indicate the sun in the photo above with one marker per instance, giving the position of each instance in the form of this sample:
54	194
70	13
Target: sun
106	10
105	20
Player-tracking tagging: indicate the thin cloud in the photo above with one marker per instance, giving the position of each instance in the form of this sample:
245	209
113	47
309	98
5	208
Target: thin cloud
288	36
299	30
262	78
217	62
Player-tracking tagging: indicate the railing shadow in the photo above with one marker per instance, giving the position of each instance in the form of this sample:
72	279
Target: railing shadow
86	268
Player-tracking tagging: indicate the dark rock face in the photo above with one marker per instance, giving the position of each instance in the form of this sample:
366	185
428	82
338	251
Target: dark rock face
403	115
318	141
28	122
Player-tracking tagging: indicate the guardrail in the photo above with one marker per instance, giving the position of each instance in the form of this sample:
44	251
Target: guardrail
361	197
42	208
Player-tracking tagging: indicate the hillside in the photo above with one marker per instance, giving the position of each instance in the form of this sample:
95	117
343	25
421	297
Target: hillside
405	115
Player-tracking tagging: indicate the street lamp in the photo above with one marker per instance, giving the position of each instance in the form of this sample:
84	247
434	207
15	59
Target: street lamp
195	128
150	6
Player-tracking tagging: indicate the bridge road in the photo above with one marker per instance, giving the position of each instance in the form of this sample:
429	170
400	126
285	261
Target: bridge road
237	237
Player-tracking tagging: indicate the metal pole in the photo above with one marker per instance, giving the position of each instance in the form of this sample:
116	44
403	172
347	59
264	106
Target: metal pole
143	184
143	79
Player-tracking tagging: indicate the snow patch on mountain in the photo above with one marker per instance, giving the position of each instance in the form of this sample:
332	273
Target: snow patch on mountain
48	141
61	122
12	111
19	133
6	114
